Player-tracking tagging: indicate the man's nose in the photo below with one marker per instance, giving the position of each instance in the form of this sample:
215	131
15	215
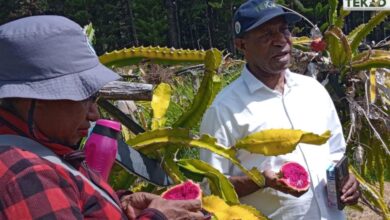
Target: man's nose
93	112
280	39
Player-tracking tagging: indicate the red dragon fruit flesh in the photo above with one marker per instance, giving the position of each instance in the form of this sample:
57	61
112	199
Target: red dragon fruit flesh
184	191
294	177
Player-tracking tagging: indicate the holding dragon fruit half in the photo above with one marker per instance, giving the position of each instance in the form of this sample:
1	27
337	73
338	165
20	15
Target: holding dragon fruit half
184	191
293	179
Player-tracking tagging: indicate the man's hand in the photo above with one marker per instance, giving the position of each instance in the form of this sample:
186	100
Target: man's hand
173	209
350	191
243	185
272	180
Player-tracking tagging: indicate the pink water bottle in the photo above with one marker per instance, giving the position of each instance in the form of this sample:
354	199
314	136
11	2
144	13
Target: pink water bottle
102	146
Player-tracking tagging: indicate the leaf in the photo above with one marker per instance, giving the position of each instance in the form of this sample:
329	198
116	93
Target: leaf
90	32
365	55
372	85
338	47
278	141
302	47
255	176
354	32
340	20
223	211
213	59
160	104
356	208
216	5
332	11
374	62
152	140
208	89
324	26
310	138
302	8
367	28
380	171
172	169
371	192
223	187
120	178
301	40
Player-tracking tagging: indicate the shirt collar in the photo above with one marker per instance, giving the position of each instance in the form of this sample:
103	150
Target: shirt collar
255	84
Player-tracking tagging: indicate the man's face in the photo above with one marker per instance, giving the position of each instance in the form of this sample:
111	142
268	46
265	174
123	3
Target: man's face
267	48
65	121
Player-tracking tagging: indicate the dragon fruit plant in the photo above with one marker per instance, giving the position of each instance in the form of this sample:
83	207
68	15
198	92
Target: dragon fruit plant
163	142
356	74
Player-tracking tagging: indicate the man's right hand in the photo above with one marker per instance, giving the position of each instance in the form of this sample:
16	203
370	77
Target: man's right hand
178	209
272	180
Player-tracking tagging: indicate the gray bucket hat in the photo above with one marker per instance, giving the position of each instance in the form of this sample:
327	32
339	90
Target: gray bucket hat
49	57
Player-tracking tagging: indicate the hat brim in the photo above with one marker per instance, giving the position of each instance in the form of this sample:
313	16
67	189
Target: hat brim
290	18
75	86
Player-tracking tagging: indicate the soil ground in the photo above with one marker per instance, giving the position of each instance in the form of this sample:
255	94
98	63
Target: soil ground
367	214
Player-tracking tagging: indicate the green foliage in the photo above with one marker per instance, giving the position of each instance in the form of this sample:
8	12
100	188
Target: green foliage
209	88
368	136
151	22
333	11
367	28
163	143
370	192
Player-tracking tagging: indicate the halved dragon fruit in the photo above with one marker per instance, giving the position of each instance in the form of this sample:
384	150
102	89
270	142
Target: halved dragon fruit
184	191
294	177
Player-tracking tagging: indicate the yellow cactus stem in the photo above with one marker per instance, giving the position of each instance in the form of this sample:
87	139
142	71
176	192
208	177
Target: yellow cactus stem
372	85
133	55
223	211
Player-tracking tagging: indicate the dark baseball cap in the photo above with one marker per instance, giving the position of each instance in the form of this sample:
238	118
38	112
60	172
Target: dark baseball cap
254	13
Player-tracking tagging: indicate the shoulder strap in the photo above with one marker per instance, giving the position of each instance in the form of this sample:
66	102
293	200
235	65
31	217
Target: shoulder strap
44	152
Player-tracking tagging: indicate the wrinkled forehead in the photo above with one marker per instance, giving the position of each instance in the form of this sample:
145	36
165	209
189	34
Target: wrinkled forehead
274	22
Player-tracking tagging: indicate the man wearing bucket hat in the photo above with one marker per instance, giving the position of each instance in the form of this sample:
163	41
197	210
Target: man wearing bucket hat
48	77
268	95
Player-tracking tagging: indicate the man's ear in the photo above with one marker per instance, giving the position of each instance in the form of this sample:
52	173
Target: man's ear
240	44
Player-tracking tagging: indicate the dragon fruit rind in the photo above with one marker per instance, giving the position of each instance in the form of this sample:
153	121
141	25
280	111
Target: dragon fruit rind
184	191
318	45
294	176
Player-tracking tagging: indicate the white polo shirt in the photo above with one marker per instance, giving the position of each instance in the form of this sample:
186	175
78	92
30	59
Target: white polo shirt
246	106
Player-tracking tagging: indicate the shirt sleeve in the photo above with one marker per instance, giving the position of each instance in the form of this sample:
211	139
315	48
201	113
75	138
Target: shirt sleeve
214	126
38	192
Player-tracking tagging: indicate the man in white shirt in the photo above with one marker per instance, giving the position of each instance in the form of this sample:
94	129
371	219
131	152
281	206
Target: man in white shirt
267	95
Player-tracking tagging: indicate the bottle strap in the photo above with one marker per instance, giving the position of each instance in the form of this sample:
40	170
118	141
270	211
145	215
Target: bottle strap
44	152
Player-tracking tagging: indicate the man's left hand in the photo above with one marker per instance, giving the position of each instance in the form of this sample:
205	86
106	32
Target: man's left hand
350	191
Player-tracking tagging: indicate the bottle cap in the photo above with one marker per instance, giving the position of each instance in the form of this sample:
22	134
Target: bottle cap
109	123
